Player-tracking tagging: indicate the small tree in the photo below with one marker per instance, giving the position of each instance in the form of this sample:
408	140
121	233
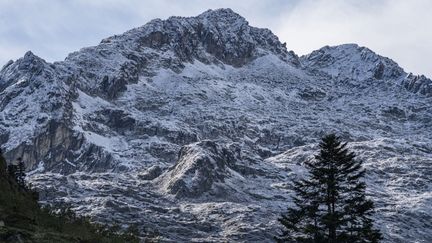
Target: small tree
330	205
3	164
20	174
17	173
12	171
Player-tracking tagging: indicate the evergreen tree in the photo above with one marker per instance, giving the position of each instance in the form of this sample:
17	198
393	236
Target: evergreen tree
17	173
12	171
20	174
3	164
23	220
330	205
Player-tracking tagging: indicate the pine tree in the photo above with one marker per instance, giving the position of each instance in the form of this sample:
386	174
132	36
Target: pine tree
3	164
17	173
12	171
20	174
330	205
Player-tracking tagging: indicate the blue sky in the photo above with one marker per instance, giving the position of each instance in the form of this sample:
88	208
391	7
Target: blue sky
394	28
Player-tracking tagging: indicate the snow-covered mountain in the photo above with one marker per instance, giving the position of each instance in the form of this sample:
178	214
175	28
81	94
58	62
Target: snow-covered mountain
194	127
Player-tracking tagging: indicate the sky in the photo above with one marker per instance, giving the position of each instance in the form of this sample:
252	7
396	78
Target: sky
398	29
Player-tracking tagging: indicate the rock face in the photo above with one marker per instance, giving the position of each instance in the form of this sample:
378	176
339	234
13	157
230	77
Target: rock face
199	168
212	37
195	127
418	84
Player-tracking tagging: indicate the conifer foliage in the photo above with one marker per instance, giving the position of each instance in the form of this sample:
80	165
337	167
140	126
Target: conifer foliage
330	205
17	173
3	164
23	220
20	174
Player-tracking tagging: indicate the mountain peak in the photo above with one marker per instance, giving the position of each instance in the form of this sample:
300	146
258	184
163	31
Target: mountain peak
351	61
215	36
28	65
30	54
221	11
223	15
30	60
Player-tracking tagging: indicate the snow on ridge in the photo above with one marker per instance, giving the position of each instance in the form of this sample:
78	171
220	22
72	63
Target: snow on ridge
352	61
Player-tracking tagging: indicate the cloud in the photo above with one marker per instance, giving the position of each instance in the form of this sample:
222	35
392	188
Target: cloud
393	28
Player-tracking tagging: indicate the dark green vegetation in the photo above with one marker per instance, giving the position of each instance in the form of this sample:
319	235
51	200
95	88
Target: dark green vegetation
330	205
23	220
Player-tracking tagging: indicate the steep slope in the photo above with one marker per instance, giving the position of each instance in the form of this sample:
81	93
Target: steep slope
189	126
23	220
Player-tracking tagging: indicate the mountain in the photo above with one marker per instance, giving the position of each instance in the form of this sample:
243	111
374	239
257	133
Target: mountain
194	127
